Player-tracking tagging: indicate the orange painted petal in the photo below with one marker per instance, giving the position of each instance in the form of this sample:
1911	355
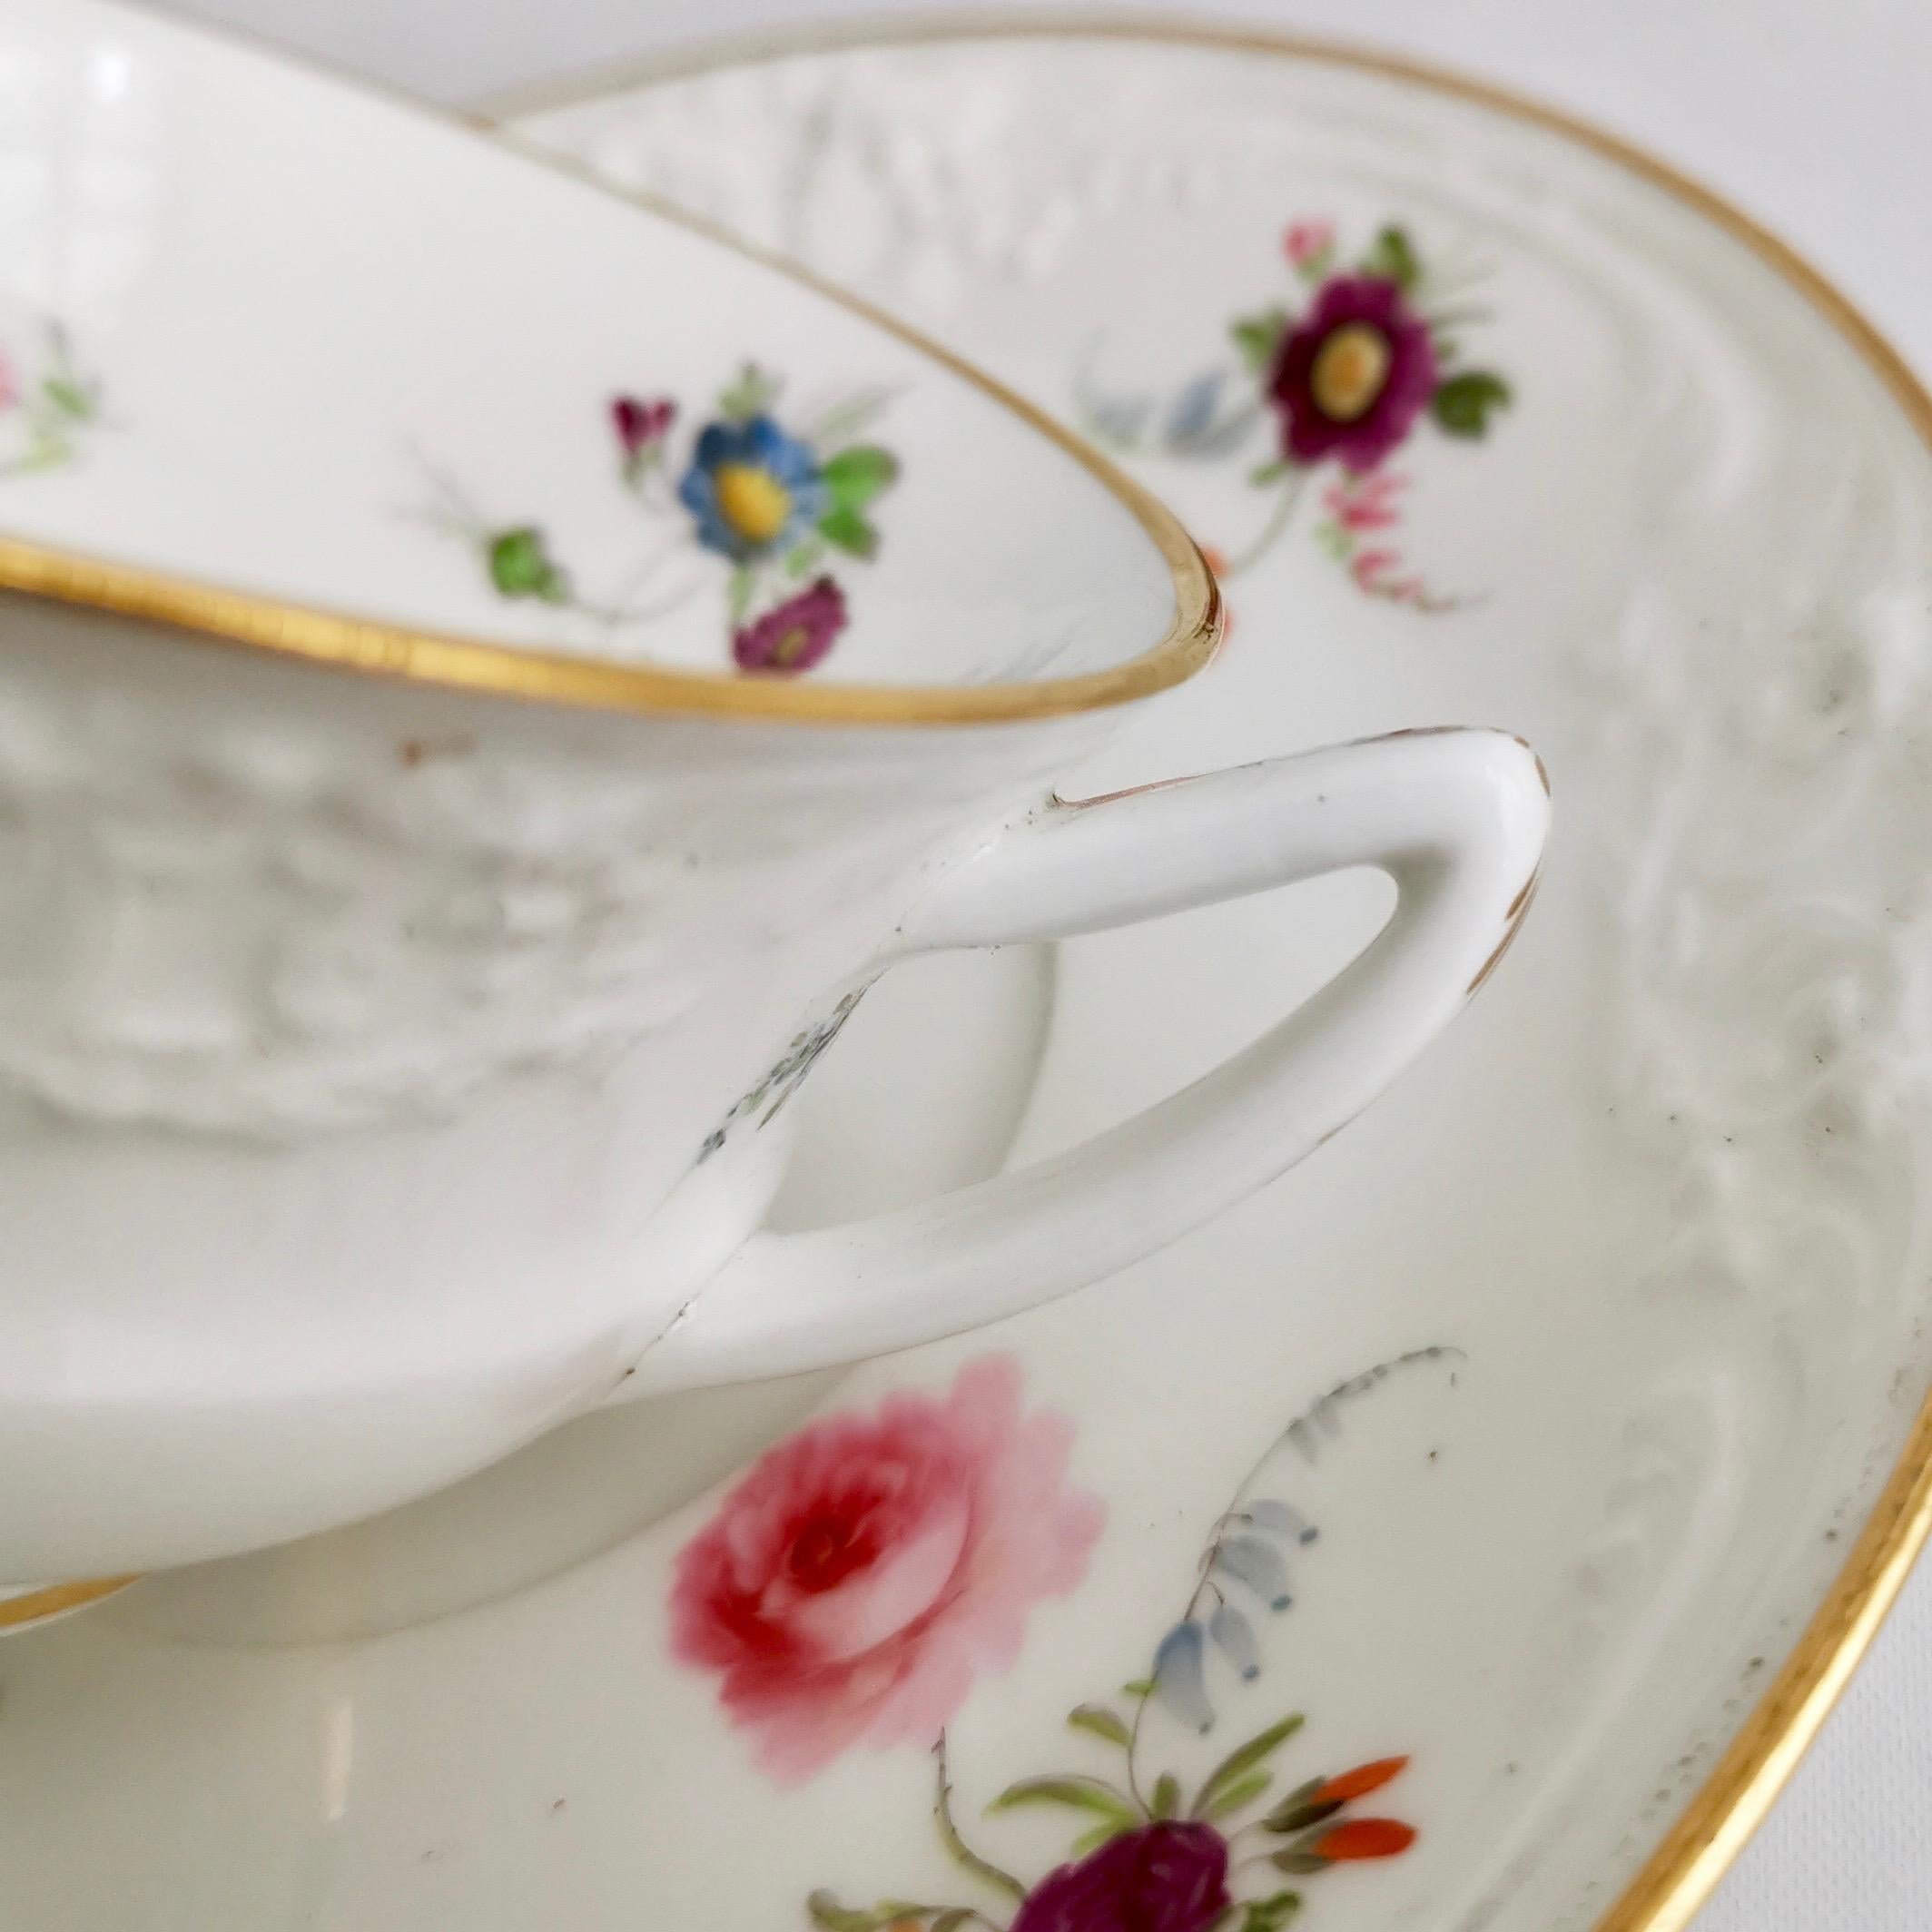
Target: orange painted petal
1365	1837
1359	1782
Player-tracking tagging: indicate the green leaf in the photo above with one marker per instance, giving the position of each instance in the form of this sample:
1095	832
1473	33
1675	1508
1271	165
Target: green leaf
1297	1815
802	559
843	420
68	397
1317	264
1298	1864
1393	259
1300	1794
521	566
830	1916
738	594
1242	1791
855	475
1099	1836
750	393
1244	1758
1461	405
1270	1914
1298	1809
1082	1794
845	529
1263	474
1255	336
951	1920
1138	1688
1101	1723
1167	1795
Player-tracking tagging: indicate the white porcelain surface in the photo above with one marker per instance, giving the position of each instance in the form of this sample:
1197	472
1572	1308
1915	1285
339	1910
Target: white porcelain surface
304	352
970	1024
1794	112
1685	1256
1678	1253
386	1063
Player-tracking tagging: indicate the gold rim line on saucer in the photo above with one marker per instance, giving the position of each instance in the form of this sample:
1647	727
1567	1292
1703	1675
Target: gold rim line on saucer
1739	1789
36	1606
340	640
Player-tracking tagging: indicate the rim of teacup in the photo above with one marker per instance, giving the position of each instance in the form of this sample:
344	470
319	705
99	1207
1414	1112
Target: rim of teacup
1731	1801
336	639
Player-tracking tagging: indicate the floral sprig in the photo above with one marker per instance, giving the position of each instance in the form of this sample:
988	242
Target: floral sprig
45	408
1344	376
1360	508
773	504
1149	1855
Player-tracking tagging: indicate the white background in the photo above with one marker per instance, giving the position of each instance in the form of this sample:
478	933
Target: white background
1815	115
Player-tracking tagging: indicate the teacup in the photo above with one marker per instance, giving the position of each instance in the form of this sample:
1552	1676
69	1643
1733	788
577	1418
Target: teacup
399	1009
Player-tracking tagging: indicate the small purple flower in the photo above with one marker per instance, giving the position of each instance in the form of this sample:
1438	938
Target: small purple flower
793	636
641	422
1353	375
1164	1877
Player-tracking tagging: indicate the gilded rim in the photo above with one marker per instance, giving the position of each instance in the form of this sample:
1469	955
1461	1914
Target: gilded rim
39	1606
1698	1847
340	640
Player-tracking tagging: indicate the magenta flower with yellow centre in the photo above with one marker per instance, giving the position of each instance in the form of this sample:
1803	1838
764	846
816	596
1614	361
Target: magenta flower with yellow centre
1351	378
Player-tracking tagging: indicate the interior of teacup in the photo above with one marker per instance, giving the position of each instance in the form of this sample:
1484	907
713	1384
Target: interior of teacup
271	346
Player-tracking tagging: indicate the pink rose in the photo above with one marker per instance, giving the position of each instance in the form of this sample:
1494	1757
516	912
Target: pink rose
859	1578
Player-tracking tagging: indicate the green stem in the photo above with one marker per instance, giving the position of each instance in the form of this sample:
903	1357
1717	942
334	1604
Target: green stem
1454	317
459	514
1270	533
620	609
738	601
963	1853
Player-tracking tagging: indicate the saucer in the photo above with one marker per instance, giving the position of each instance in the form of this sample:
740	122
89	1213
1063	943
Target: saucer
971	1025
1470	1530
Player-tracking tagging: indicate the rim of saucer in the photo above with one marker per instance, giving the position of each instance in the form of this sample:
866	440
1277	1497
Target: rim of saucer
1734	1797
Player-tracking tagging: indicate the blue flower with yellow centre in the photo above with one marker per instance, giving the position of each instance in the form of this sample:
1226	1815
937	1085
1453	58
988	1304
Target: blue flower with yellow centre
754	489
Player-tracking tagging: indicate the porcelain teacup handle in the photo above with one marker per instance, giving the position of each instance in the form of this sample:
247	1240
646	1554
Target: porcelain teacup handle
1456	818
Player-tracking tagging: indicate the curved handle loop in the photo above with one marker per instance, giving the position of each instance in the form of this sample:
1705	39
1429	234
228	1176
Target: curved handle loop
1456	818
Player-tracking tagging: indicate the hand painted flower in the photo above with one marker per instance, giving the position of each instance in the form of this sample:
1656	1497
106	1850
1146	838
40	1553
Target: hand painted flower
1351	378
753	489
641	423
855	1583
1164	1877
1367	503
793	636
1307	240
